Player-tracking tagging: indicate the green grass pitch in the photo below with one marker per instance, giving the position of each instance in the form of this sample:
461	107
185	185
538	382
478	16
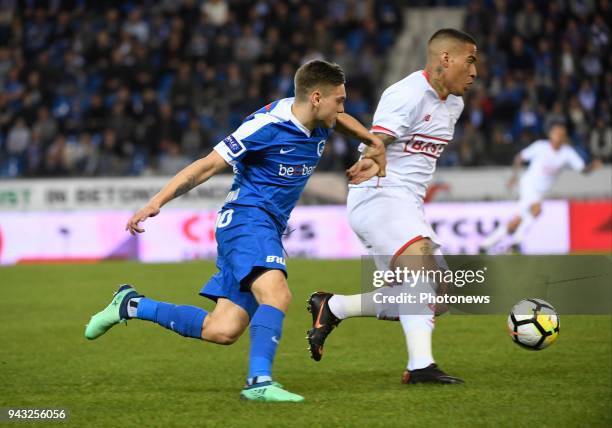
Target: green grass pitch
144	375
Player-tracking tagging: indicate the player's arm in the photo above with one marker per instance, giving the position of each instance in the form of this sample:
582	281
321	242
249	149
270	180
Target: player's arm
594	165
516	168
351	127
365	168
185	180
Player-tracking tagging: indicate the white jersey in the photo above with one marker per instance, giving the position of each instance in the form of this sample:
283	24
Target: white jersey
545	164
422	123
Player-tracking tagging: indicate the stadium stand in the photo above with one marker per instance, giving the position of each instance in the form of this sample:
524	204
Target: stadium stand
142	88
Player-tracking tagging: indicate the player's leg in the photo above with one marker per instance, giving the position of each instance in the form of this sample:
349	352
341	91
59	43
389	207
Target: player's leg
528	218
366	207
226	323
127	303
270	288
502	231
418	320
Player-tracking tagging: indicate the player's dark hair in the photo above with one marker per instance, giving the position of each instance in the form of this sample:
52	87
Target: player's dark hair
451	33
556	123
317	73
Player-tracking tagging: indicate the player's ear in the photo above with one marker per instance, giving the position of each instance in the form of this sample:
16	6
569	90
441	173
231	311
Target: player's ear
315	97
445	59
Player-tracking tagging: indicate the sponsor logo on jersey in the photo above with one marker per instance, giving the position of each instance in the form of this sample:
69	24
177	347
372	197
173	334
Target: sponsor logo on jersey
426	148
320	147
275	259
427	118
235	146
295	170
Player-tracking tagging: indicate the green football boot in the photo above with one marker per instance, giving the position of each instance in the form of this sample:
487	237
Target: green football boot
114	313
270	392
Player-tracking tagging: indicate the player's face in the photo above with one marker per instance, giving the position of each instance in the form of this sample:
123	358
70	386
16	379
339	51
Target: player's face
330	104
461	71
557	136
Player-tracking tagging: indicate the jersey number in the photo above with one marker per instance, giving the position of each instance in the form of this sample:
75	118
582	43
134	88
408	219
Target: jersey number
224	219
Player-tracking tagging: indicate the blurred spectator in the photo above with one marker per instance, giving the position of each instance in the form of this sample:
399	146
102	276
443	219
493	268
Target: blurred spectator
540	63
18	139
133	88
140	87
601	140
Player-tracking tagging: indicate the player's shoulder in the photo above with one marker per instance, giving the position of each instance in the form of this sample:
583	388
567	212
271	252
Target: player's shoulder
261	121
569	150
405	94
542	144
413	84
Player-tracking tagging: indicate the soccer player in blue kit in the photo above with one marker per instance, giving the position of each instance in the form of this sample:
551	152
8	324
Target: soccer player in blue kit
272	153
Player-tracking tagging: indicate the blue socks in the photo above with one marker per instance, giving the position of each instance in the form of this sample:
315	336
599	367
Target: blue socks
266	328
184	320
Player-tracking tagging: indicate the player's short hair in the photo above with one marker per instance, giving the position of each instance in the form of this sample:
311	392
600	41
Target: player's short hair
451	33
317	73
556	123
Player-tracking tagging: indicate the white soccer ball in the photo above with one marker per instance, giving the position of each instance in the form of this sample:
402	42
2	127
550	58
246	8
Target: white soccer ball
533	324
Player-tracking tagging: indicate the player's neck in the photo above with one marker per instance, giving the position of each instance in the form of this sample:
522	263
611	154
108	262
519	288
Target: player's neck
304	115
433	74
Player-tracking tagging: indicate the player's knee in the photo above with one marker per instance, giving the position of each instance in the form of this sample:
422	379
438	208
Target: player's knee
536	210
220	335
285	295
226	337
272	289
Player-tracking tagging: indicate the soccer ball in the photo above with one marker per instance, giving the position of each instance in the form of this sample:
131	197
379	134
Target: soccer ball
533	324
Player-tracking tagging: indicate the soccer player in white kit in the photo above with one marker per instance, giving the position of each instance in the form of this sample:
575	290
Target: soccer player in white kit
416	119
546	158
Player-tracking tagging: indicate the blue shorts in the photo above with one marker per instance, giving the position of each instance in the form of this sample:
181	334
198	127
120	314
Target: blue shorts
248	239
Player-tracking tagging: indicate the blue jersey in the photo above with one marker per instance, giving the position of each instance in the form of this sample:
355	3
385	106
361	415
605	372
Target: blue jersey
273	155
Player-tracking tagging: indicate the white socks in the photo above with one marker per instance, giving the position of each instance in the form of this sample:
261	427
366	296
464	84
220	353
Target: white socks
132	307
418	330
497	235
355	305
526	222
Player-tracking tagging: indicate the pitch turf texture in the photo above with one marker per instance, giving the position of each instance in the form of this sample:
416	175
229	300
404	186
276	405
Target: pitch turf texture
144	375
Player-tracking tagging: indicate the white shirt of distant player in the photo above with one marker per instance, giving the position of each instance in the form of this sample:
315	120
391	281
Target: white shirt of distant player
422	123
545	164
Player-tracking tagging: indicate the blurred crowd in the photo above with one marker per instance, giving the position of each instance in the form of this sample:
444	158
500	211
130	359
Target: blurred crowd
540	62
144	87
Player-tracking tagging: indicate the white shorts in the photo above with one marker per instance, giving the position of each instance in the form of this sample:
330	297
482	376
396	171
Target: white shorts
387	220
528	196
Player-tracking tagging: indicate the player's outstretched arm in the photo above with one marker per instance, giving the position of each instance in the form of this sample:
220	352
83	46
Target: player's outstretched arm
185	180
351	127
593	166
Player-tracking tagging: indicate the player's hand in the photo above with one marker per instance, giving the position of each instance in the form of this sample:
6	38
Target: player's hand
377	152
596	164
362	170
141	215
512	182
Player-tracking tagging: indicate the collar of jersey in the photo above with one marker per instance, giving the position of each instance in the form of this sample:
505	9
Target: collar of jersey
296	122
